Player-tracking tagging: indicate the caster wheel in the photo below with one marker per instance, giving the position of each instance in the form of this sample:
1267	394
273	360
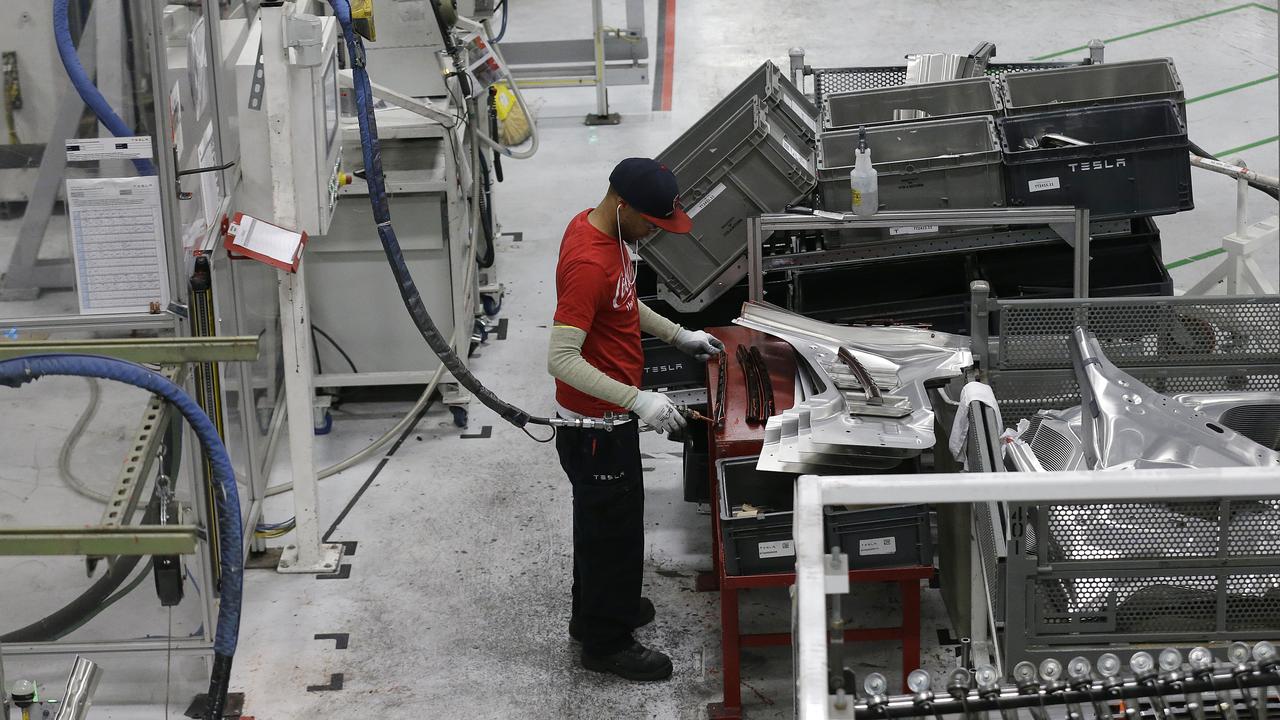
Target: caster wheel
490	304
459	416
327	426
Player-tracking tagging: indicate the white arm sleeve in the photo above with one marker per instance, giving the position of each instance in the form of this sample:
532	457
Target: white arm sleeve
656	325
565	363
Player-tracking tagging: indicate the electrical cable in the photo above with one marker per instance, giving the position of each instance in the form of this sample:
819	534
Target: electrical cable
18	371
112	600
485	202
84	85
398	429
515	89
69	447
81	610
386	233
336	346
502	29
1197	150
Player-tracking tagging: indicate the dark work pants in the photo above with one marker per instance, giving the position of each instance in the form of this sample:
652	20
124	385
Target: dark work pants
608	532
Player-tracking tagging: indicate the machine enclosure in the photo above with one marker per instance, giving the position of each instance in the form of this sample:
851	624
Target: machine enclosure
317	142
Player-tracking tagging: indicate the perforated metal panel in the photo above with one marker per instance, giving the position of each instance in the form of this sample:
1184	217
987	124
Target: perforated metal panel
1160	531
1022	395
1259	423
1129	605
1253	603
834	80
1107	576
1150	333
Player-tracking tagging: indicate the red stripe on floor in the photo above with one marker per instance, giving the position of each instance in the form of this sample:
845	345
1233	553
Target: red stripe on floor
669	54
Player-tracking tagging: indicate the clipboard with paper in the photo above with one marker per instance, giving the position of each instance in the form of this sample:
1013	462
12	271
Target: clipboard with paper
249	237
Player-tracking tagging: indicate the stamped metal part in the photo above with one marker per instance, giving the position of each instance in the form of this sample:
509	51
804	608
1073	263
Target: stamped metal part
845	371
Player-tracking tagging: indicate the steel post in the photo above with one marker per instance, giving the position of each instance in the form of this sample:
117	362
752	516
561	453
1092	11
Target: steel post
305	554
597	36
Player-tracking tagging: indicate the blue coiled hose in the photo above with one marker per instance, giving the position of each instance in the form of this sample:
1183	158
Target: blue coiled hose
22	370
84	85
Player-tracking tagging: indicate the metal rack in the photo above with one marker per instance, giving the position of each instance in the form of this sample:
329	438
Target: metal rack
847	79
816	578
1174	344
1068	224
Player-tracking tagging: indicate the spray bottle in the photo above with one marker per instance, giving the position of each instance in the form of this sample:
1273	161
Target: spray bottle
863	184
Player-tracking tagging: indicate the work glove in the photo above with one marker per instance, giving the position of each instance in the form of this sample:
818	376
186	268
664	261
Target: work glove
701	345
658	412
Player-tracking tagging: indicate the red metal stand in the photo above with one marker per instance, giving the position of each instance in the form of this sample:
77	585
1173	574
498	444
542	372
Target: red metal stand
738	439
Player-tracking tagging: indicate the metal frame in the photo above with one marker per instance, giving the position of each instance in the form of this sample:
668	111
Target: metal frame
100	541
165	351
1239	267
558	63
1070	224
1259	358
812	493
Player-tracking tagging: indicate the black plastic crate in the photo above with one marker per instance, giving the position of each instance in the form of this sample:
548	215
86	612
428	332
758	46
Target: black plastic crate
889	536
696	464
760	544
1124	266
667	367
924	290
1135	164
934	290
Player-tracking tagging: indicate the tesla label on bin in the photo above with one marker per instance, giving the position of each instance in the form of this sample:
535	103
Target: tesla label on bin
706	200
1044	184
777	548
878	546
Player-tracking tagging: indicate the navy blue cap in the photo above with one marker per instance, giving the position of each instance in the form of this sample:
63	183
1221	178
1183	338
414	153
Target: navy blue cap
650	188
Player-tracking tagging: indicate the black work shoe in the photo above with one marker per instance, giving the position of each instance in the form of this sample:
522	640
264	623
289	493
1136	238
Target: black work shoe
642	618
634	663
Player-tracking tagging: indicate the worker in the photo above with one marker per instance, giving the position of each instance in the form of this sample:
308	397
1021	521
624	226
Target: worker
596	359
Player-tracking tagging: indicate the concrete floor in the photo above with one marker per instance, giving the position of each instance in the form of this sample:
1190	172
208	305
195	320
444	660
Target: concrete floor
456	604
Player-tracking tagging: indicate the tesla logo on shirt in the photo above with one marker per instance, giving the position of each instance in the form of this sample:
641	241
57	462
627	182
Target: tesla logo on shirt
624	294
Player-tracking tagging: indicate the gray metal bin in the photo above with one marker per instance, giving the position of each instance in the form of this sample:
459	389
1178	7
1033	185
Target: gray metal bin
1155	79
925	165
952	98
743	164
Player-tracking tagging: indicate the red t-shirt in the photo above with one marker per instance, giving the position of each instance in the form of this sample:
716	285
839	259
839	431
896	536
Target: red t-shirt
594	296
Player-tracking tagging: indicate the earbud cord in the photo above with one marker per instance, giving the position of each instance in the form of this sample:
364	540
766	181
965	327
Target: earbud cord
627	262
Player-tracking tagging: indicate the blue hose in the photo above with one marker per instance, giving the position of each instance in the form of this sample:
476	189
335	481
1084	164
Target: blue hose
84	85
18	371
387	234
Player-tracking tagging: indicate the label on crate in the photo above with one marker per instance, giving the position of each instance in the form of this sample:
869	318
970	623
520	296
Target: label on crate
799	112
912	230
706	200
796	155
110	148
878	546
777	548
1044	184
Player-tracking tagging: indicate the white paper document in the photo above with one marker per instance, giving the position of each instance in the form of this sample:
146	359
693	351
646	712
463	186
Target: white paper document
117	243
268	242
210	188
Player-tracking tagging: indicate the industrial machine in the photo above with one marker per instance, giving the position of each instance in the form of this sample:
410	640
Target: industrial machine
181	126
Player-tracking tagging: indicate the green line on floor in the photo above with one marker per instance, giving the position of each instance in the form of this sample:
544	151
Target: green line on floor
1165	26
1218	251
1260	6
1195	258
1249	146
1234	88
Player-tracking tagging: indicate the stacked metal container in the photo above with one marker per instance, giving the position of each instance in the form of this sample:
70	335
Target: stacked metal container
751	154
